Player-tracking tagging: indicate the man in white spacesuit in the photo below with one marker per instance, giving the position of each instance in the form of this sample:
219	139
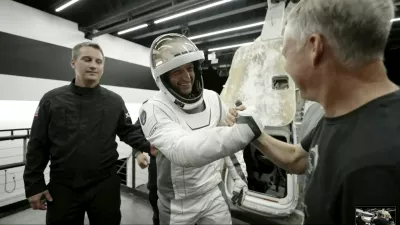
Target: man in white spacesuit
184	122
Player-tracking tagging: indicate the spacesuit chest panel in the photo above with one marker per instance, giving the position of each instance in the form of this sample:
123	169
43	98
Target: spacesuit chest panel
209	117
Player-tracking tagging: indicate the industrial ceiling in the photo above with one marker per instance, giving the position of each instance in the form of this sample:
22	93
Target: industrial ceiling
97	17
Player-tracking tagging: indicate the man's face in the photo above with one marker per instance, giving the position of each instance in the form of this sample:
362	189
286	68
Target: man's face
302	63
182	78
89	65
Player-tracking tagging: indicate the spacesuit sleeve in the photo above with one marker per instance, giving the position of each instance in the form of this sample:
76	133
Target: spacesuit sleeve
191	149
237	159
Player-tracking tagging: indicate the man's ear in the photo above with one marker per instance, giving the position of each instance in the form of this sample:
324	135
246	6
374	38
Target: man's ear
317	48
73	64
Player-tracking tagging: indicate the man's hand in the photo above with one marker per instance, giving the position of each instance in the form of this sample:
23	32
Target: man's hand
142	160
38	201
153	151
233	114
240	190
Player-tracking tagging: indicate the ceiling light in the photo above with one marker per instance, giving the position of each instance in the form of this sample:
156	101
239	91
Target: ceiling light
133	29
230	46
66	5
227	30
395	19
191	11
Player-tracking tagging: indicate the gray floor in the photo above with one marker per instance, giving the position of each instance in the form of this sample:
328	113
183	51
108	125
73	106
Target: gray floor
135	210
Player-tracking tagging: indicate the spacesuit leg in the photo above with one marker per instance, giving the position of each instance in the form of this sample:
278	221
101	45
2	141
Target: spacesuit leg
217	211
184	212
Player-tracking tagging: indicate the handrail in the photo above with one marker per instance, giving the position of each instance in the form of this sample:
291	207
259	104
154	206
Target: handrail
25	137
15	129
14	136
12	165
122	170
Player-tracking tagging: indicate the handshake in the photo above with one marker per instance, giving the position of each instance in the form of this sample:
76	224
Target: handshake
250	126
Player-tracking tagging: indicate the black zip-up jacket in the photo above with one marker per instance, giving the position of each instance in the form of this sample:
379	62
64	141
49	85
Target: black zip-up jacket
144	143
152	169
75	129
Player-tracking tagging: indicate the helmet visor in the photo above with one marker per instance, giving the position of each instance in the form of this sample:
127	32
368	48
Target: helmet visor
171	51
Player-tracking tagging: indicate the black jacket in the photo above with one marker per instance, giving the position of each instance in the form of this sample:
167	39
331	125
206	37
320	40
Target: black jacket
143	144
75	128
152	183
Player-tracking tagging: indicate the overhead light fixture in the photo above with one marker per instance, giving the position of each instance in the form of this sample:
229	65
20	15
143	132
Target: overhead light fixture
230	46
395	19
227	30
191	11
133	29
66	5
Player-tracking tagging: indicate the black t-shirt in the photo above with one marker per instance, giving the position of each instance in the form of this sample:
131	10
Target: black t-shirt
354	161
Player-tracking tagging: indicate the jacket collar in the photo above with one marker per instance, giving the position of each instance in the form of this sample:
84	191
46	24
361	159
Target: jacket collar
84	90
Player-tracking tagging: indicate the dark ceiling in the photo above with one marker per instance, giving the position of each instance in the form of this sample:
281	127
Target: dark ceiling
97	17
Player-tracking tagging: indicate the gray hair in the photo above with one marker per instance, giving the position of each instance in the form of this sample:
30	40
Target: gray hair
356	29
76	49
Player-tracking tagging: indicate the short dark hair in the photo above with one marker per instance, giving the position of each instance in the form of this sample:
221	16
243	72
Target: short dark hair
76	49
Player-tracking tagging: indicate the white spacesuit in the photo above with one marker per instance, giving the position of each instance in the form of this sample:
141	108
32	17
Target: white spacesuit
190	140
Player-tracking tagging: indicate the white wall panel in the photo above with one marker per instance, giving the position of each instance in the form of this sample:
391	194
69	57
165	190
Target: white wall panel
19	96
32	89
21	20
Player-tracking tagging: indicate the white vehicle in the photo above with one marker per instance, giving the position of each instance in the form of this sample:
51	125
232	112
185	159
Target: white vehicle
257	78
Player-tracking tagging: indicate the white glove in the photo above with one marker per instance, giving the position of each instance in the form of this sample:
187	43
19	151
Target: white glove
250	118
240	190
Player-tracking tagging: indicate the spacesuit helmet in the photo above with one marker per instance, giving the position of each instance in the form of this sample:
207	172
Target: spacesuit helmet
171	51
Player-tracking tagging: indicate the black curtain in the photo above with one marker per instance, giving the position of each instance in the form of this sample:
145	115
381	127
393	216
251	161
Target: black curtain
392	59
213	81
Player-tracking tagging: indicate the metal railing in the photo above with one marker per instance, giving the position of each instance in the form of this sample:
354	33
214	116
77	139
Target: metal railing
14	134
11	179
12	137
122	170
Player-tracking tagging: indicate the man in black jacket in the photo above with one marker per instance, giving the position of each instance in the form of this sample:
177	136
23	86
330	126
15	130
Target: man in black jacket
75	128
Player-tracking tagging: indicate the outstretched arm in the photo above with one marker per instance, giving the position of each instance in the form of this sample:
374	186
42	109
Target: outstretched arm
195	148
292	158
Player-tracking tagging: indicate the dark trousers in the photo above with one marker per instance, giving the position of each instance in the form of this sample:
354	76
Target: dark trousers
152	186
101	201
153	198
